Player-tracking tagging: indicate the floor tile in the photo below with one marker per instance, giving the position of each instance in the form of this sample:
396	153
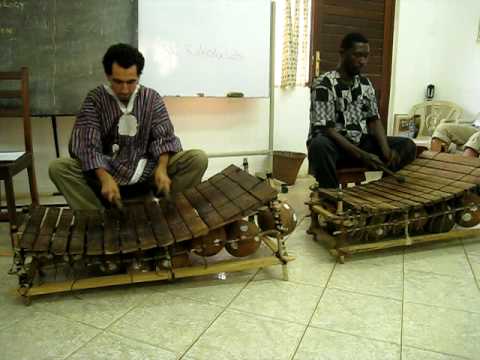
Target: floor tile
96	307
167	321
113	347
474	260
43	336
448	260
363	315
321	344
472	246
241	336
409	353
442	290
12	309
279	299
217	290
308	270
375	274
442	330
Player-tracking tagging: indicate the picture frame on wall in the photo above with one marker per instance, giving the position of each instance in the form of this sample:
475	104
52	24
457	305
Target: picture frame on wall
401	123
406	125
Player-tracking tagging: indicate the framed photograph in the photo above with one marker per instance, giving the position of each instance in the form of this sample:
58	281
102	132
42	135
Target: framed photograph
401	124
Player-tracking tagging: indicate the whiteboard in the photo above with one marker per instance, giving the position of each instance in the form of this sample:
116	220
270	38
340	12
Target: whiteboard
205	47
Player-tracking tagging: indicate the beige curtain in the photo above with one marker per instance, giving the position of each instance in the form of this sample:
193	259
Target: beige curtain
292	61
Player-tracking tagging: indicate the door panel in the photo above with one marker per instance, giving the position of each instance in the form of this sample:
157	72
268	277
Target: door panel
333	19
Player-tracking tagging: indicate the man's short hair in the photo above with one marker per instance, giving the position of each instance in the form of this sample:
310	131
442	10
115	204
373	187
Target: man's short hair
124	55
350	39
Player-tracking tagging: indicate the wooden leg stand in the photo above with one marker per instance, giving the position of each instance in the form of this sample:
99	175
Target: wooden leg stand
279	257
339	247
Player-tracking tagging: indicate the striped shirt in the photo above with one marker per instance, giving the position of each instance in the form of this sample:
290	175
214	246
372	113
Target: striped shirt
96	141
343	107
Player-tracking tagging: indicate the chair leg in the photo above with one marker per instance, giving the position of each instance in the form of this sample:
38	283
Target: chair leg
32	181
12	209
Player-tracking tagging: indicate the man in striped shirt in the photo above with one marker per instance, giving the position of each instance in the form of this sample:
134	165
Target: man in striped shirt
123	142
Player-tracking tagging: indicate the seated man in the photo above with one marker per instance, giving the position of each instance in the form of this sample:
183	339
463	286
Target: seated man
465	136
123	141
344	121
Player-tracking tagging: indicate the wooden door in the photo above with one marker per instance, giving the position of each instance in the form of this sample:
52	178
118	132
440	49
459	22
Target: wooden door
333	19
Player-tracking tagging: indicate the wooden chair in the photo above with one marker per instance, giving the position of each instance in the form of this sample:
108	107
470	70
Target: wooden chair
12	163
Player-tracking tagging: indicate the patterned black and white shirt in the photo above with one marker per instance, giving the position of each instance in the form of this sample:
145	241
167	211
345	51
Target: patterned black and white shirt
344	107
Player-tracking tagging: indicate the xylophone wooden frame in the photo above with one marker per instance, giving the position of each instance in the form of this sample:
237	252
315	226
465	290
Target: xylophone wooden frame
339	247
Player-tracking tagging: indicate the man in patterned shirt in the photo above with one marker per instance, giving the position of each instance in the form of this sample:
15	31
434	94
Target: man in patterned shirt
345	126
123	142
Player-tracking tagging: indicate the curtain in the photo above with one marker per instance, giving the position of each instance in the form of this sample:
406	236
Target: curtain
295	63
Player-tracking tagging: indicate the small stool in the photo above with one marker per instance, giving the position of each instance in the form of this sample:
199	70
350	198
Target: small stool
351	175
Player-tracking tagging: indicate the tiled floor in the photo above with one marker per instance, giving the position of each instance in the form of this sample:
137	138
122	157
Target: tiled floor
419	303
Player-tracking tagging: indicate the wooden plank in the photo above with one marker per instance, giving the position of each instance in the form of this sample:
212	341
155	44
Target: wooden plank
423	191
42	243
175	222
191	217
378	202
122	279
77	241
458	159
229	188
247	202
236	194
128	235
206	210
348	199
406	190
111	237
406	198
216	178
33	228
437	180
438	189
411	167
159	225
224	207
442	165
441	173
10	75
354	13
375	190
16	112
470	179
95	232
10	94
241	177
146	238
60	239
264	192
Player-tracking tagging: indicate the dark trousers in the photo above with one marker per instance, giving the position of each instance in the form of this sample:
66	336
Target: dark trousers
325	156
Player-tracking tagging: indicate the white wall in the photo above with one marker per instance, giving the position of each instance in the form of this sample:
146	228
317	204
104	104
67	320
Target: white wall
436	43
214	125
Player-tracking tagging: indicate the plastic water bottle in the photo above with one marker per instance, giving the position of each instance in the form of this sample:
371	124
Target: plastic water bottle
411	128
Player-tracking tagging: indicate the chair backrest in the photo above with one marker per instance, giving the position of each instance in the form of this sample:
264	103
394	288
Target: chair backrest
9	107
433	113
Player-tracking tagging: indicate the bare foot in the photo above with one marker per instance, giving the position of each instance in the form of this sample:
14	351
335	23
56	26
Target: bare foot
470	152
438	145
